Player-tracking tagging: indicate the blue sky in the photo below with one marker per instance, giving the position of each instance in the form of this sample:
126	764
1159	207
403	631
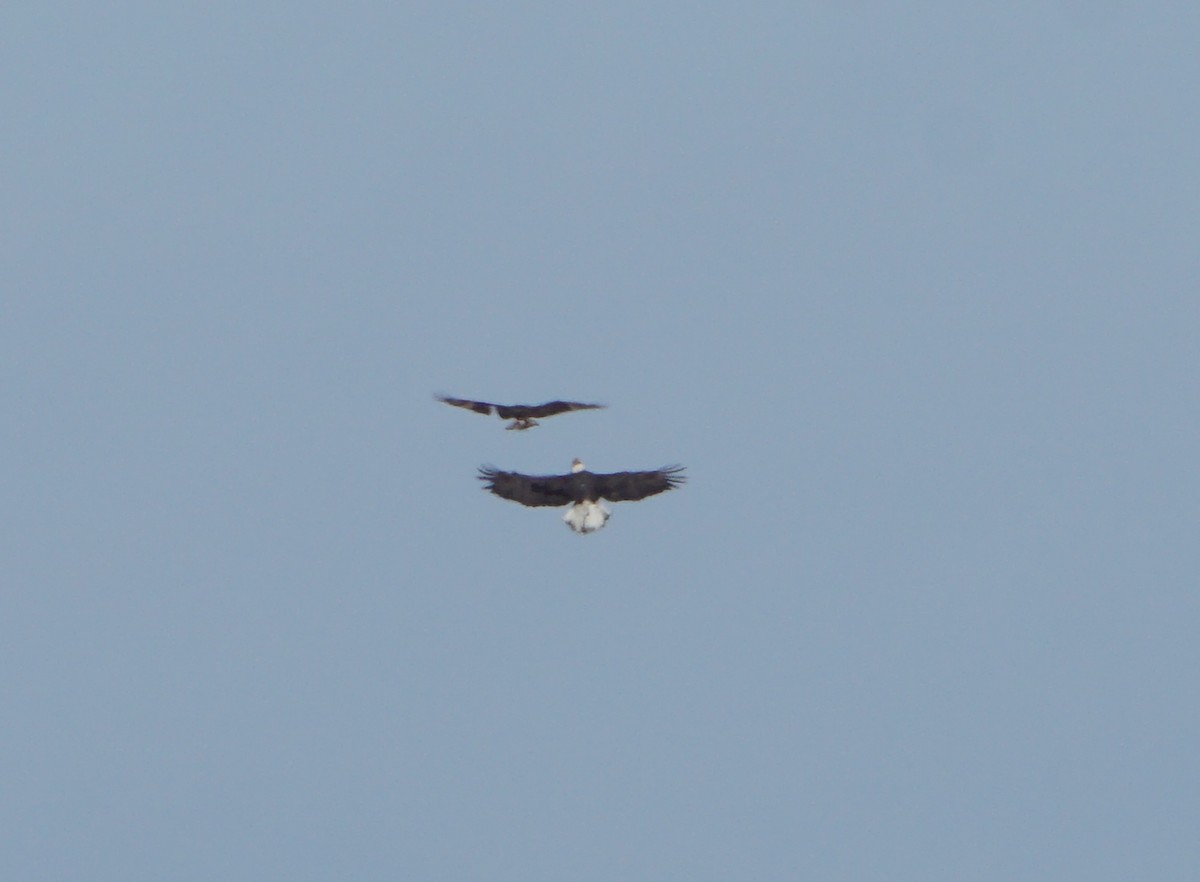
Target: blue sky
911	289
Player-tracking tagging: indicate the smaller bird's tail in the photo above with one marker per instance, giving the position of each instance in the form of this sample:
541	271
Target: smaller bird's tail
586	517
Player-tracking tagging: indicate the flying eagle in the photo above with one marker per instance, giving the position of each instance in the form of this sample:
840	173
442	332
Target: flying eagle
581	489
522	415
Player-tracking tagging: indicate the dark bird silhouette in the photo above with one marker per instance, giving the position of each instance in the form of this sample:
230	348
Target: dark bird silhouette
581	489
522	415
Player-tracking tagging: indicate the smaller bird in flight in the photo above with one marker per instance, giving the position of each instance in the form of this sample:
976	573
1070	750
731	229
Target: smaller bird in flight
522	415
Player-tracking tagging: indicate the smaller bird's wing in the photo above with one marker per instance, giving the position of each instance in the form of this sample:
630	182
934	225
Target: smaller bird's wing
482	407
550	408
532	490
630	486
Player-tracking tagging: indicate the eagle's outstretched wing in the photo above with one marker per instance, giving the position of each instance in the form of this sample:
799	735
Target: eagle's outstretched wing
550	408
533	490
482	407
630	486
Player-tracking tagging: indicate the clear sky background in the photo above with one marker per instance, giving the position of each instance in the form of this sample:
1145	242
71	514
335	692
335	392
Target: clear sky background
910	288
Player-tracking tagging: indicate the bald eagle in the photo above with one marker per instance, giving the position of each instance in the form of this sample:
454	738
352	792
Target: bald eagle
581	489
522	415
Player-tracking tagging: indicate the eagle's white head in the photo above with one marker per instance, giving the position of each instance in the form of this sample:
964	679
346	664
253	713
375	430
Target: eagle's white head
577	465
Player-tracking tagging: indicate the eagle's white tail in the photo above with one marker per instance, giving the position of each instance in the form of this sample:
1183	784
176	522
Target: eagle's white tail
586	517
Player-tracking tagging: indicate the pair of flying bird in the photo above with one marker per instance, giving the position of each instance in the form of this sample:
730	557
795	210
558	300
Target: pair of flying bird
580	489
